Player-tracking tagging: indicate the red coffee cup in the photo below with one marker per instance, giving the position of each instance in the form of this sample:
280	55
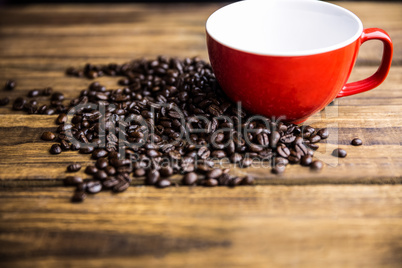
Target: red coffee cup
288	59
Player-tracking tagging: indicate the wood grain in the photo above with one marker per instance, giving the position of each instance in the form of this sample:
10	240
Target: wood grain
291	221
374	116
277	226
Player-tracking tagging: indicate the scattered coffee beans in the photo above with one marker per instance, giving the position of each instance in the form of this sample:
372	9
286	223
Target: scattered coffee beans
33	93
323	133
166	109
78	196
48	136
10	85
73	167
306	160
339	153
91	170
163	183
357	142
72	180
55	149
61	119
93	187
316	165
4	101
190	178
278	169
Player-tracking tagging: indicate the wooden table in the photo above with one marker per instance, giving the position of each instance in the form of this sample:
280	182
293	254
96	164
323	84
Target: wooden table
348	215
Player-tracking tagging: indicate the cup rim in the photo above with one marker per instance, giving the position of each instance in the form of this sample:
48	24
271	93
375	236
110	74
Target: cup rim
339	45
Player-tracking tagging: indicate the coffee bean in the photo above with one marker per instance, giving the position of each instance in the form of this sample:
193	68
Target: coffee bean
255	148
357	142
211	182
323	133
152	177
102	163
294	159
215	173
274	138
313	146
203	168
61	119
301	149
64	145
99	153
163	183
288	138
283	151
203	152
187	167
278	169
81	187
246	162
55	149
86	150
224	179
152	153
110	182
48	136
100	175
110	170
174	114
139	172
190	179
64	127
57	96
235	181
72	180
215	110
263	139
339	153
218	154
316	165
73	167
219	137
306	160
93	187
78	196
4	101
166	171
315	139
30	108
10	85
121	186
33	93
247	180
236	158
91	170
19	103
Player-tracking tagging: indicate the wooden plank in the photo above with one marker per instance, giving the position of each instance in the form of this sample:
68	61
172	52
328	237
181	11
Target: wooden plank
262	226
77	34
27	161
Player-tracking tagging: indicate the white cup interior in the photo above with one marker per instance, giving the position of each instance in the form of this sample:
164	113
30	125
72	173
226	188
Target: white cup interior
284	27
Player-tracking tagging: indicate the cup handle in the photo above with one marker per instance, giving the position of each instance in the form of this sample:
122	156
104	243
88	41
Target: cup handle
379	76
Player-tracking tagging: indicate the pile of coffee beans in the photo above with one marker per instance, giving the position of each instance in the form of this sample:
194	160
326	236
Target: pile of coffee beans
167	117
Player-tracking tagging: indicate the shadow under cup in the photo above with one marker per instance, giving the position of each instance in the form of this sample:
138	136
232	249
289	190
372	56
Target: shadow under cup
290	58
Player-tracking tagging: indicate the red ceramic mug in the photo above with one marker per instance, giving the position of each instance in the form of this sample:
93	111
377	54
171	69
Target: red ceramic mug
289	58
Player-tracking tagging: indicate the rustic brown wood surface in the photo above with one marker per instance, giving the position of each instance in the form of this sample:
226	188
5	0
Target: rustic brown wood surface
259	226
263	226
